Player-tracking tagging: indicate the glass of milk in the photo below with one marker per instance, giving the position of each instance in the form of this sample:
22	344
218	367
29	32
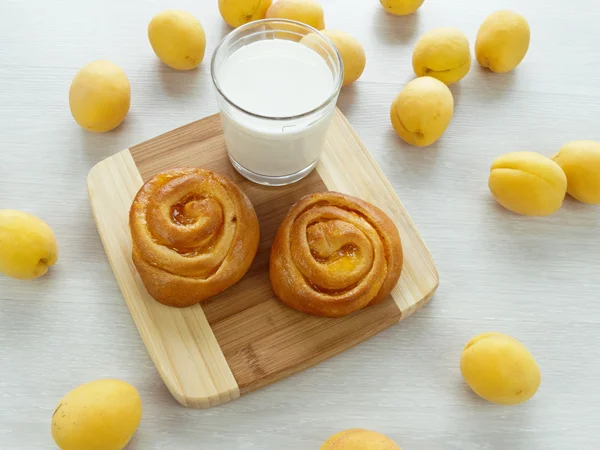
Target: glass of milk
277	85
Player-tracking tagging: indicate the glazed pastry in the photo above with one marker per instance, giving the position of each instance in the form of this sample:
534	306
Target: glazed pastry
194	234
335	254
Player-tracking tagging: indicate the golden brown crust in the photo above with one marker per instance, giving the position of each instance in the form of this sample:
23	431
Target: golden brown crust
335	254
195	233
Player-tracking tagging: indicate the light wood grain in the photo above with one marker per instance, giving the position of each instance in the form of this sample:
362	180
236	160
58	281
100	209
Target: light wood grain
536	279
347	166
180	342
261	340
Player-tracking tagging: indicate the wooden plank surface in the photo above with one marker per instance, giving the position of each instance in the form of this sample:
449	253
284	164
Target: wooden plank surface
180	342
260	340
348	167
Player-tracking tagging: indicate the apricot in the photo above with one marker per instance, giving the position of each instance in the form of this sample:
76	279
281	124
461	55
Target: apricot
308	12
239	12
442	53
99	415
528	183
100	96
28	247
358	439
500	369
401	7
422	111
580	160
502	41
352	53
178	39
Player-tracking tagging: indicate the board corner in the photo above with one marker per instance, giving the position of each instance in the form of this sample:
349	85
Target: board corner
99	165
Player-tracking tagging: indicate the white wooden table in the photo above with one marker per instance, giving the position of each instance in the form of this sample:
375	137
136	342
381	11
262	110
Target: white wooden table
536	279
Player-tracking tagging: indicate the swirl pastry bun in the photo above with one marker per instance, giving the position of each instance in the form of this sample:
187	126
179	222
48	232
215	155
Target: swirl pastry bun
195	233
335	254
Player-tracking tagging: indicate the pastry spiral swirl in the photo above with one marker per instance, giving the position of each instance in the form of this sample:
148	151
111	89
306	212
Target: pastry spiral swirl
335	254
194	235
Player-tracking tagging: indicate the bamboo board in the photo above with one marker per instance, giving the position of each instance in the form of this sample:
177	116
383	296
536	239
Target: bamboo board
244	338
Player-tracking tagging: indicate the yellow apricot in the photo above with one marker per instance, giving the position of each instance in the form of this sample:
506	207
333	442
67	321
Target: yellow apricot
528	183
317	43
502	41
442	53
401	7
358	439
178	39
99	415
580	161
500	369
100	96
27	245
352	53
422	111
308	12
239	12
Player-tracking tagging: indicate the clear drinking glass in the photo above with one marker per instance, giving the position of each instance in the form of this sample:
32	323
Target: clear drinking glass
273	150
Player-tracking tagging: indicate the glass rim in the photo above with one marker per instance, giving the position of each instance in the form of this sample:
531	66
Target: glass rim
232	34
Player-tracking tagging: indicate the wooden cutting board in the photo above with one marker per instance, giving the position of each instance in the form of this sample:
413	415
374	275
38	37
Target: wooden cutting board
244	338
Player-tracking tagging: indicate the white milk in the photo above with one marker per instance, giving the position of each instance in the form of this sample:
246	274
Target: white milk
276	78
